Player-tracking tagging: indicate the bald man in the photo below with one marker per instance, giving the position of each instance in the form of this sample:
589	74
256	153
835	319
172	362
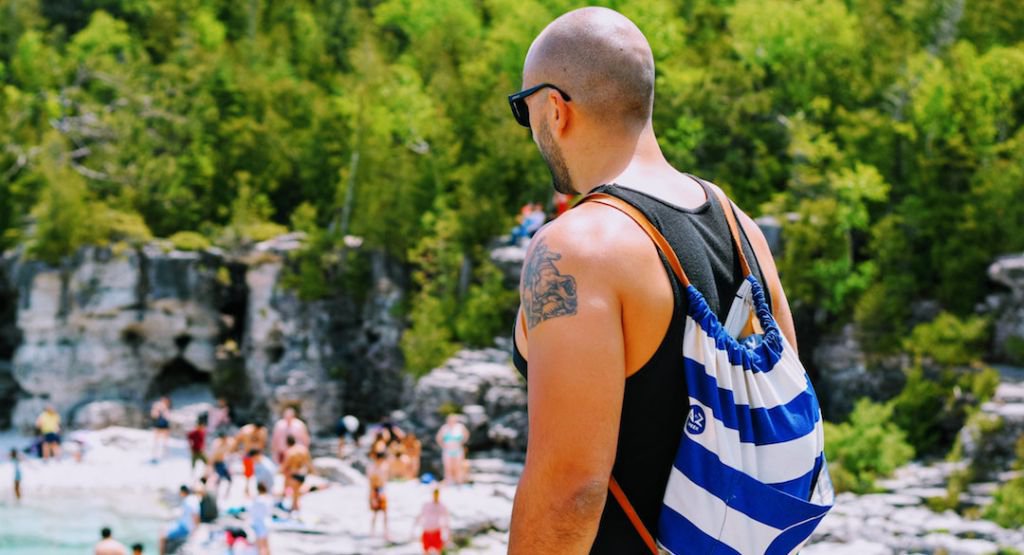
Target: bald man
600	328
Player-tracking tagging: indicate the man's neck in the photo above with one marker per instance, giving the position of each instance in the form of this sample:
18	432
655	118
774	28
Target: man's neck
643	160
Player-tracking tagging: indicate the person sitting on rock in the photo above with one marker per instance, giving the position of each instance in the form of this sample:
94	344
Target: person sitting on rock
532	221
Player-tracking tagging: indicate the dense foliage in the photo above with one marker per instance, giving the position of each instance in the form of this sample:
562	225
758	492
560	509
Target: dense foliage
869	446
886	136
946	383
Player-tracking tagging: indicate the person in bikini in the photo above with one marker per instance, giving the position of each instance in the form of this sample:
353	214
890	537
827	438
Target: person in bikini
296	466
452	438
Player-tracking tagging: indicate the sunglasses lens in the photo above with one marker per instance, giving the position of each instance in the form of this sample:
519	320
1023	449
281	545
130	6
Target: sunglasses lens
521	112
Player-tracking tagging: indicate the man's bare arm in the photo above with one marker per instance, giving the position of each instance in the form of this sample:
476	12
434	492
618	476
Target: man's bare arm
576	380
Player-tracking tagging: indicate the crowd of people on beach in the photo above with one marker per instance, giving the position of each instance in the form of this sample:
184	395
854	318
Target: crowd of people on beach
272	467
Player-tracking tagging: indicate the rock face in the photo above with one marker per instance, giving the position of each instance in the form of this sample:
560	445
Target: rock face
1008	309
114	326
327	356
121	326
98	415
845	374
484	387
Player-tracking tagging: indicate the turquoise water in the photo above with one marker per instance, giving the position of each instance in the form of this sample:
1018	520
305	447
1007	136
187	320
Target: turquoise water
72	526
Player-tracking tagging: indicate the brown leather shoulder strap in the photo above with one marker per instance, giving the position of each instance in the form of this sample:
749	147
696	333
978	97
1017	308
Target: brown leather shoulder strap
730	217
645	224
634	518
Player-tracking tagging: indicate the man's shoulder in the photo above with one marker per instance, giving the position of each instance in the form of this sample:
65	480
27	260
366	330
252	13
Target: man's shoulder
590	237
592	228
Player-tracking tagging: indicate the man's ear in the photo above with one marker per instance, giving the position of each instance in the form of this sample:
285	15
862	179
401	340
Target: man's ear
560	115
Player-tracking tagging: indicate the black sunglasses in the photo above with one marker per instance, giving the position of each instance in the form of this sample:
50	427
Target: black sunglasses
518	102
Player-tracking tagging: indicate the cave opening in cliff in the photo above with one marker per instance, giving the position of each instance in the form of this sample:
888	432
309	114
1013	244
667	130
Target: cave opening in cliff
177	373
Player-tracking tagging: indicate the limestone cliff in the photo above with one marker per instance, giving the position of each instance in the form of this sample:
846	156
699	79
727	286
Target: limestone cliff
127	325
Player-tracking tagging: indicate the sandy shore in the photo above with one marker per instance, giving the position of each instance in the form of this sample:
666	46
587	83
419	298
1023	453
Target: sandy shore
117	475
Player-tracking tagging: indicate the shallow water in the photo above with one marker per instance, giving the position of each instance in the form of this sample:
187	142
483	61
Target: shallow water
72	526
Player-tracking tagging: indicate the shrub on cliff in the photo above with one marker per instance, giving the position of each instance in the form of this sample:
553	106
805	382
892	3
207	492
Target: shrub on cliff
947	382
869	445
189	241
428	341
66	219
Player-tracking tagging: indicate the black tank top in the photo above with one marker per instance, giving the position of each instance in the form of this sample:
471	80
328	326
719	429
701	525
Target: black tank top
655	402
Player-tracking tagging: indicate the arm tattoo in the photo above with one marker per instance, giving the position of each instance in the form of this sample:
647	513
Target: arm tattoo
547	293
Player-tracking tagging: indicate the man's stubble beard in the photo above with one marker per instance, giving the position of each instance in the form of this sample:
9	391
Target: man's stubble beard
552	154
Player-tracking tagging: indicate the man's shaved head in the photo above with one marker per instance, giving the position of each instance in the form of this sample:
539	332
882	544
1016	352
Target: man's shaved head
602	60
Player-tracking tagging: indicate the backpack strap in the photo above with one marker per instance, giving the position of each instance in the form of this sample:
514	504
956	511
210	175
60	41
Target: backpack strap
645	224
734	228
634	518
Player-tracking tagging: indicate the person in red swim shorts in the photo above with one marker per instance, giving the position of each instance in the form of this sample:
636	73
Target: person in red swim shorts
436	525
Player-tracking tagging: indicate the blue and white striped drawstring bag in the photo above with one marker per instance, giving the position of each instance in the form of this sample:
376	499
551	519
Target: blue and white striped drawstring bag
750	475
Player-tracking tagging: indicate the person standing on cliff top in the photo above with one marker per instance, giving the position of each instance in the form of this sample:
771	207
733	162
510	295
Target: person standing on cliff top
288	425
